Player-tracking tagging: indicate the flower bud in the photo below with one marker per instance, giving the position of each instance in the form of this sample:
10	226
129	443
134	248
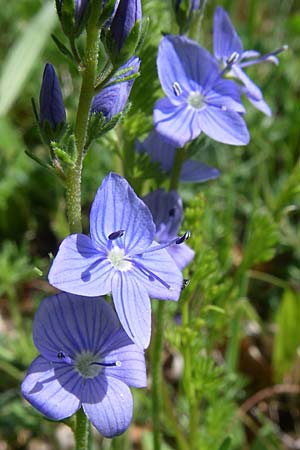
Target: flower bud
72	15
52	111
127	14
184	10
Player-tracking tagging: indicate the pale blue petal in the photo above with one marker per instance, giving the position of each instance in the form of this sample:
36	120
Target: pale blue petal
117	207
132	305
251	87
225	38
132	370
224	126
162	267
80	268
197	172
158	149
225	93
55	391
178	124
182	254
261	105
108	405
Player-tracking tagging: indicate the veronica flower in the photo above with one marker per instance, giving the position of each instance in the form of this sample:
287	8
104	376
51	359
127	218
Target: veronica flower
86	360
198	99
52	108
229	48
112	99
127	14
163	152
120	257
167	213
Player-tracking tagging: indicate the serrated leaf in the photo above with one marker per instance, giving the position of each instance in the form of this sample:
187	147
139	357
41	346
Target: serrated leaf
23	55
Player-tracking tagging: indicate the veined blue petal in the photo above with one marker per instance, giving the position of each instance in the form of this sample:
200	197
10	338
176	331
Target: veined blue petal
158	149
80	268
182	254
224	126
117	207
261	105
112	415
127	14
132	304
226	93
53	390
178	124
196	171
225	39
132	368
162	266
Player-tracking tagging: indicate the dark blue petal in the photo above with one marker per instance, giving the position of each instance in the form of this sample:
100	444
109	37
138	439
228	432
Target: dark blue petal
158	149
225	39
128	13
51	101
117	207
54	391
112	99
196	171
108	404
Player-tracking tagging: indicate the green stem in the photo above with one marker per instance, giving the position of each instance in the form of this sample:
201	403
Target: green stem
81	430
178	161
157	376
73	181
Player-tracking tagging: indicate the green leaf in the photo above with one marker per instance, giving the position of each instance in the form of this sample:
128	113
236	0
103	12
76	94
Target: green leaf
225	444
23	55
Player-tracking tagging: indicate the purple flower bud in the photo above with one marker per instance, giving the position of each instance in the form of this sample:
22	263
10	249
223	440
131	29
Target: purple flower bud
52	107
128	13
80	7
194	5
72	24
112	99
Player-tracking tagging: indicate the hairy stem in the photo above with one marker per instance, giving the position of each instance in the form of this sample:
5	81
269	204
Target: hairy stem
81	430
73	181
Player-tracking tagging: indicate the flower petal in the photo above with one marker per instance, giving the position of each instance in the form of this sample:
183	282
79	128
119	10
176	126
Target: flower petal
158	149
261	105
132	305
182	255
72	324
251	87
108	405
151	267
224	126
225	38
132	370
117	207
225	93
55	391
182	60
196	171
178	124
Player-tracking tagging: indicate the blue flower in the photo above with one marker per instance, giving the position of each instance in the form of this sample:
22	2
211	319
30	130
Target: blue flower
228	49
52	108
120	257
127	14
198	99
163	152
86	360
167	213
112	99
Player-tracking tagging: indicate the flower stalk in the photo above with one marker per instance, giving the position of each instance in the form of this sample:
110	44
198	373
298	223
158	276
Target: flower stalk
82	430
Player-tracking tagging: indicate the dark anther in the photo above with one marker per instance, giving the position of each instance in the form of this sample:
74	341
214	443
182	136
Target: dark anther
183	238
112	364
233	58
185	283
116	235
61	355
172	212
176	88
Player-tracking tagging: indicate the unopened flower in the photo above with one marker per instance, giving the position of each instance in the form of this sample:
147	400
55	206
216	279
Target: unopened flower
52	111
167	212
86	360
198	99
120	257
228	49
112	99
72	20
127	14
163	152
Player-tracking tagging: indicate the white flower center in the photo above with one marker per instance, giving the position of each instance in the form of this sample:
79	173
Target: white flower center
84	366
196	100
116	257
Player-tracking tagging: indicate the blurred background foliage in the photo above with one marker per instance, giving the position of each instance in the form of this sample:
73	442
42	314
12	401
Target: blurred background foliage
238	320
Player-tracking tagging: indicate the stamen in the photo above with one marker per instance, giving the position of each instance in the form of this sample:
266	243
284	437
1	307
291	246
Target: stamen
116	235
185	283
152	276
233	58
61	355
176	88
112	364
183	238
267	57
